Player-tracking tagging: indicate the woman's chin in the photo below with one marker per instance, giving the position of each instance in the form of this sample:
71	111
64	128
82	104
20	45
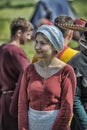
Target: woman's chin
39	55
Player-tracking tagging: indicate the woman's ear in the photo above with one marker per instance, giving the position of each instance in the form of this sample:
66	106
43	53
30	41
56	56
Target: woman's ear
55	52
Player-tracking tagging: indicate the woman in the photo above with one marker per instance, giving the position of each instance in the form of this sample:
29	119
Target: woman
47	86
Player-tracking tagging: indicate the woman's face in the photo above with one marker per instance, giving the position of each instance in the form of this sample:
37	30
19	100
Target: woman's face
43	47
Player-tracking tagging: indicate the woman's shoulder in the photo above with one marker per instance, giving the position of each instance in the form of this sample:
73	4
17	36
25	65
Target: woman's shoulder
29	70
30	67
67	69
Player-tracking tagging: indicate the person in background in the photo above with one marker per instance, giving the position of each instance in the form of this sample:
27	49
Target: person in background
77	34
13	62
67	53
79	63
47	87
47	19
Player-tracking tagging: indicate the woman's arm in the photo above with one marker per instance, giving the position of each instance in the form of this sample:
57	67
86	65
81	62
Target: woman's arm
23	104
68	85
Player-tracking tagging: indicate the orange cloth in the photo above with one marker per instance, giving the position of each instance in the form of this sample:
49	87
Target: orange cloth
66	54
35	59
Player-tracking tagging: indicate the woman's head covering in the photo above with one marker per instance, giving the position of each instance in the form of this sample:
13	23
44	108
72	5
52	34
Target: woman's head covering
54	35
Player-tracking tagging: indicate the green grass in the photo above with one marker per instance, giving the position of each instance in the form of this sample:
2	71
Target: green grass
81	8
16	3
7	15
29	49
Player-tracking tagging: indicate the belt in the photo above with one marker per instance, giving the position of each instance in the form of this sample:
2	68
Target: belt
6	92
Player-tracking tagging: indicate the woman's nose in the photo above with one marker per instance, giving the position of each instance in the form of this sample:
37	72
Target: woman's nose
37	45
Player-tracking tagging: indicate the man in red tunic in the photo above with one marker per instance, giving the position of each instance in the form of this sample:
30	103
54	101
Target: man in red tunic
13	62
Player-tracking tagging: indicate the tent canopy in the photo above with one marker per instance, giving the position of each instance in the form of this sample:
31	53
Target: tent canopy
57	7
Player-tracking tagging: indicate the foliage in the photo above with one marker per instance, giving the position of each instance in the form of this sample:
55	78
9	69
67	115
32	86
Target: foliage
81	8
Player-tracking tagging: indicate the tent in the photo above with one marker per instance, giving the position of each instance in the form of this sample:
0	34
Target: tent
58	7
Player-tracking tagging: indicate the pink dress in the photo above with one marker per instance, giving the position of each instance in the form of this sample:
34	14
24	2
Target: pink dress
53	93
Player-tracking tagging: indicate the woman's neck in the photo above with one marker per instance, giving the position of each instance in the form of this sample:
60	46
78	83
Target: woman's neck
49	62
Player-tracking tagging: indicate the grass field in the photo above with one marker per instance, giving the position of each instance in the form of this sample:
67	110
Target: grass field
10	9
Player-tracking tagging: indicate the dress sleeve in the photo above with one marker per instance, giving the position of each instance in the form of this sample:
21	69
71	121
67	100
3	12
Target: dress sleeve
23	104
68	85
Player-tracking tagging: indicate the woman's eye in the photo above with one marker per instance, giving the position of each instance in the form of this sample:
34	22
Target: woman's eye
41	43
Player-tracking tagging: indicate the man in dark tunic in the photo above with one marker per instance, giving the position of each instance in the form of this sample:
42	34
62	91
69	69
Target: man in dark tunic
79	63
13	62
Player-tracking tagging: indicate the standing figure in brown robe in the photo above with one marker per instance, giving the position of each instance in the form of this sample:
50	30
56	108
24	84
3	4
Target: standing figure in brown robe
13	62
